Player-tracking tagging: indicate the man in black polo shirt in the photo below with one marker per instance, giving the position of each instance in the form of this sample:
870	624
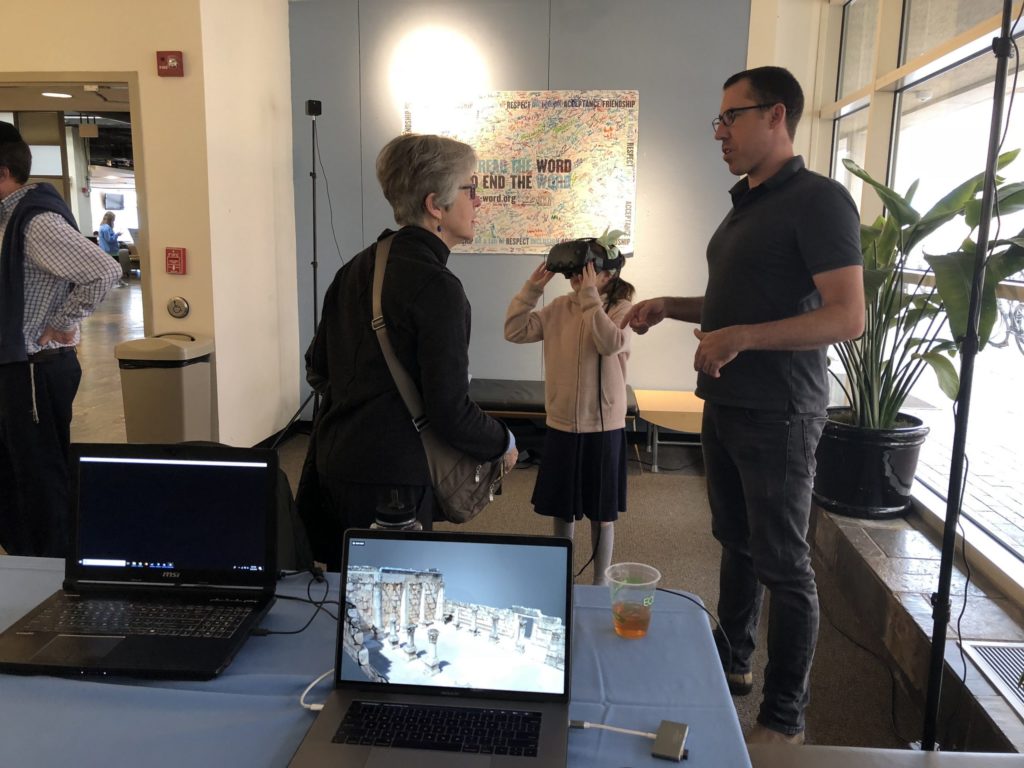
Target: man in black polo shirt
784	282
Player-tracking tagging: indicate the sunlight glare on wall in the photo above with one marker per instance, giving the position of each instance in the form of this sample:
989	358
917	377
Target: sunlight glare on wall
437	68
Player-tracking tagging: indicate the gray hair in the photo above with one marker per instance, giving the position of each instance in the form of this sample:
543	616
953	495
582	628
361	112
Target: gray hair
412	165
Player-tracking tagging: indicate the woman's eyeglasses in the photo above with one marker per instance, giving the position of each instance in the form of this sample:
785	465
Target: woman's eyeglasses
472	190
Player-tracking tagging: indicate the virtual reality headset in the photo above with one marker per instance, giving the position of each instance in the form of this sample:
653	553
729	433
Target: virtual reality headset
569	258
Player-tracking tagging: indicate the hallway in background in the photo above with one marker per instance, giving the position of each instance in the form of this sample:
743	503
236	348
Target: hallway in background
98	414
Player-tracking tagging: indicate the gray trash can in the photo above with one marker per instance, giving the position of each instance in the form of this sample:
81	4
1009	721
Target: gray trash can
165	383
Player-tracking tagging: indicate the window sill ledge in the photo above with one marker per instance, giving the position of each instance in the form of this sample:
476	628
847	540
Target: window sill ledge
887	572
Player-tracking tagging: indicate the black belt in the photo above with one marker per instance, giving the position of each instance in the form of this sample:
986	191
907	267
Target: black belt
48	354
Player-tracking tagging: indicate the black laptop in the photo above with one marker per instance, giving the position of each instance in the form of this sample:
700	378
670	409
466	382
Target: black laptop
453	649
171	563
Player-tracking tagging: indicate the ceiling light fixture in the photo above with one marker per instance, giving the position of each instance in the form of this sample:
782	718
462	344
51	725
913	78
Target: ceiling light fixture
55	95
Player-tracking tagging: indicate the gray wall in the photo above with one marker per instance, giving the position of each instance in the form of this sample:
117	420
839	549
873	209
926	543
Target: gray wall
676	53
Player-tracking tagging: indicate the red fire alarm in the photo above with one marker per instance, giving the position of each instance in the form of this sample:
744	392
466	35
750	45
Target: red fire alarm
174	261
170	64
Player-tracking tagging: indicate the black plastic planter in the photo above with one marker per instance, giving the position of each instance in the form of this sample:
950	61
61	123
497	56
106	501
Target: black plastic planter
867	473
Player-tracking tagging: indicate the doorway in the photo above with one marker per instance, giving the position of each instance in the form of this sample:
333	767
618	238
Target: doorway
90	157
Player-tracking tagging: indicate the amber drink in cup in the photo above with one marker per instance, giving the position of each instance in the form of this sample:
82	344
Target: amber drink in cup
632	590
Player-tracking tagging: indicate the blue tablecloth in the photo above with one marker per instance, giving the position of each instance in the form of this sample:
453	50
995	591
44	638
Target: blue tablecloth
250	715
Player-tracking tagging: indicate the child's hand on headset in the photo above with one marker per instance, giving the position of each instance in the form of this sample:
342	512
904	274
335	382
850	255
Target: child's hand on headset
540	276
589	276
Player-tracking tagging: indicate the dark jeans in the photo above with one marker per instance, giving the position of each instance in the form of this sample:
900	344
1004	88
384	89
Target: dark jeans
34	493
760	467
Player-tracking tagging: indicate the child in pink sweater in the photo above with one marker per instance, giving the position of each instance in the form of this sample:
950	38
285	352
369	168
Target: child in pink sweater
583	467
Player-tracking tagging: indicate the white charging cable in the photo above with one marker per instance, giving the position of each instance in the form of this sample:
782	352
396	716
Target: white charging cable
584	724
310	687
669	741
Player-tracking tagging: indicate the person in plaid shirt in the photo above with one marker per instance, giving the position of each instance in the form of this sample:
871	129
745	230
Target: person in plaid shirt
51	278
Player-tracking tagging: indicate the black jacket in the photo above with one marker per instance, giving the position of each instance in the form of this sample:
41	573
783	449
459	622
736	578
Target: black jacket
364	433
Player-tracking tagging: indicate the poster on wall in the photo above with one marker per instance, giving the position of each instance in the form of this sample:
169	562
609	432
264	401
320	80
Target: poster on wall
552	165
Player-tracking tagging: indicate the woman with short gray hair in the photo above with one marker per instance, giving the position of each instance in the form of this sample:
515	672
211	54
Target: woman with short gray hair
364	451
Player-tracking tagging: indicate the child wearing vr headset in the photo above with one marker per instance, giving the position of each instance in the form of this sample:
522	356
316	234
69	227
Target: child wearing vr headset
583	466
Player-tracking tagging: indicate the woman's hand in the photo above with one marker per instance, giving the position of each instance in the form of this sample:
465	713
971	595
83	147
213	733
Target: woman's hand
510	458
540	276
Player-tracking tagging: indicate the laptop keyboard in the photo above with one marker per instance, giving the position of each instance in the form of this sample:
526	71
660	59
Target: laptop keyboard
119	617
450	729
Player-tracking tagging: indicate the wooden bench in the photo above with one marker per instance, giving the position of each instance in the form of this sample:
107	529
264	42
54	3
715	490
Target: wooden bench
669	409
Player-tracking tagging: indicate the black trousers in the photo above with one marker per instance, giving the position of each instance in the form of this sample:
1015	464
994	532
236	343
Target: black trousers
35	438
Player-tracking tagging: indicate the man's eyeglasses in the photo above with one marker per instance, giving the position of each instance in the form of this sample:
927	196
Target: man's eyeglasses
728	117
472	190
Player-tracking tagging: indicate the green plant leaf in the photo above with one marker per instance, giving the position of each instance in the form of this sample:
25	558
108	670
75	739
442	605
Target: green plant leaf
874	279
1000	266
887	248
954	276
1010	198
1005	263
911	191
963	196
954	273
945	372
895	203
910	323
948	208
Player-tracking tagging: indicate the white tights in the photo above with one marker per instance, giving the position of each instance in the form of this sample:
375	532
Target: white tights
603	534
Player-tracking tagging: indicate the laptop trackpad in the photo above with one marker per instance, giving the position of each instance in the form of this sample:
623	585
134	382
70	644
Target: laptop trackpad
64	649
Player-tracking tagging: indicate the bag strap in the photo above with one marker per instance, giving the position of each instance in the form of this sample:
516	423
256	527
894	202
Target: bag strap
406	388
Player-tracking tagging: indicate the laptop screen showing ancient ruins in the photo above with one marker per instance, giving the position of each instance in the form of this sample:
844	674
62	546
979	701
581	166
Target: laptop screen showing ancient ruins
456	614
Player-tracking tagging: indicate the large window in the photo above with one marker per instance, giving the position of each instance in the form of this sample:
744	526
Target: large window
926	117
942	139
851	132
860	21
930	23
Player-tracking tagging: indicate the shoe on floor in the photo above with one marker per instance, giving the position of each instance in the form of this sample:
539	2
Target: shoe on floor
762	734
740	683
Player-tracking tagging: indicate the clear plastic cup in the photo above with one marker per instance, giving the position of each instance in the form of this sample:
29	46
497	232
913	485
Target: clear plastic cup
632	590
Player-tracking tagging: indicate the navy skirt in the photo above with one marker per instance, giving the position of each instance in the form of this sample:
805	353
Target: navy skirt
582	475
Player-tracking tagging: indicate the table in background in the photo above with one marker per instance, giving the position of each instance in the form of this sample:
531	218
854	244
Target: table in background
250	715
671	409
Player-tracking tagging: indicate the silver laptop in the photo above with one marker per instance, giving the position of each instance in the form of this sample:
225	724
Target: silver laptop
453	650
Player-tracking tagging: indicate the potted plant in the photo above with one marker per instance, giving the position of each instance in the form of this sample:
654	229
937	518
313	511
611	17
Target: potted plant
914	320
